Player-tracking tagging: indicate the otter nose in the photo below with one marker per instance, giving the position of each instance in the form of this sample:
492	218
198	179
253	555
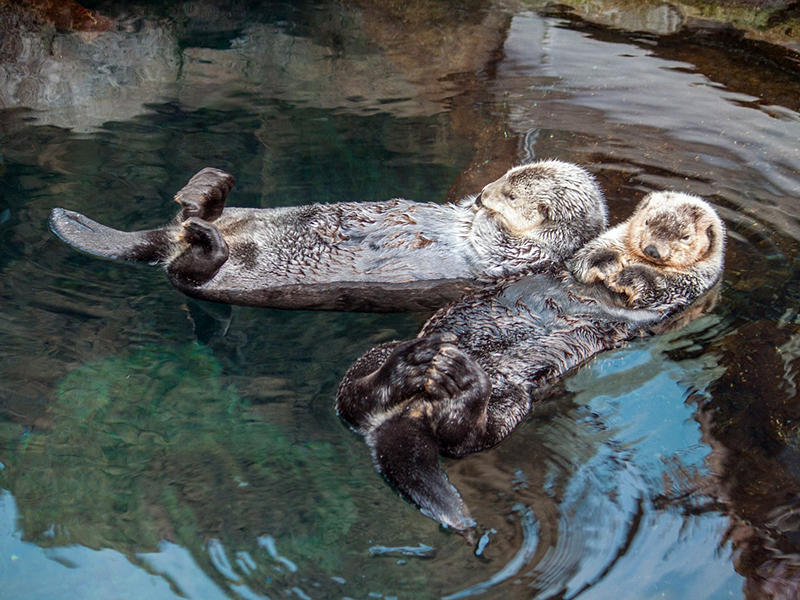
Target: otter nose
479	200
652	252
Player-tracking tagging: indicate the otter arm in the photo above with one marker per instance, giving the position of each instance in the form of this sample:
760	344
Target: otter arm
595	262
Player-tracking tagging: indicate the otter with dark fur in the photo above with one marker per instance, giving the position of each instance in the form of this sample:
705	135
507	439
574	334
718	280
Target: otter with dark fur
391	255
480	363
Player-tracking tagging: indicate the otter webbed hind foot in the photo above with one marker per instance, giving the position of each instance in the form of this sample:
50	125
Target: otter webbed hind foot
458	390
413	401
206	252
205	194
89	236
387	376
406	452
453	375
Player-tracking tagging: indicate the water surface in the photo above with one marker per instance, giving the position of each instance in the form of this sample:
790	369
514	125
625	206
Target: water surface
153	446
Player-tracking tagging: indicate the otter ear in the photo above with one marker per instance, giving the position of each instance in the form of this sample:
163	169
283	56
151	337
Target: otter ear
645	202
712	235
544	210
696	213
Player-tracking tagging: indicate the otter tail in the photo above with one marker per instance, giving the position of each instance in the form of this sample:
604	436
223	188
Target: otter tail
152	245
203	197
407	453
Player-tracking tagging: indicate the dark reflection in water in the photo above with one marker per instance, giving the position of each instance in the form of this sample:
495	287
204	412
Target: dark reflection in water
152	446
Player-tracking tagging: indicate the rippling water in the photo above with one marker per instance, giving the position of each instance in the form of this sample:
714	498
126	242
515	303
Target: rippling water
154	446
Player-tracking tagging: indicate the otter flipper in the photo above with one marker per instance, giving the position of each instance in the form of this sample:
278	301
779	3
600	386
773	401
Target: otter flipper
205	194
204	255
202	198
386	376
406	451
151	245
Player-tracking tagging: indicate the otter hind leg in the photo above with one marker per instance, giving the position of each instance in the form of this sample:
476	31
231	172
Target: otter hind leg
205	194
459	390
80	232
202	258
386	376
455	374
406	452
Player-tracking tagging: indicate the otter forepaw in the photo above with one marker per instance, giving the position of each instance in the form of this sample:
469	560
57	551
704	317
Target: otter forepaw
206	252
598	265
205	194
639	283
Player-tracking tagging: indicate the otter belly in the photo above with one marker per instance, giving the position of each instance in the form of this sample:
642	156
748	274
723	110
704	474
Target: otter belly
397	255
535	329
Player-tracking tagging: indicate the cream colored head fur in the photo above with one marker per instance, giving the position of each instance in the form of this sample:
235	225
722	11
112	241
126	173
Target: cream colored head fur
548	193
674	230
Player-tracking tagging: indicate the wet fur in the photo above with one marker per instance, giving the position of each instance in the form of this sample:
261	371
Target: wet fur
477	367
371	253
665	255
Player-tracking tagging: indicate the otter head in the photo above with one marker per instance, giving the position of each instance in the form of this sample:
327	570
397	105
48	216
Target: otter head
548	194
675	230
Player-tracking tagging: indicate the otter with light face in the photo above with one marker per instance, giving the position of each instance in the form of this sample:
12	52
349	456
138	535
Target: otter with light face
480	363
662	256
393	255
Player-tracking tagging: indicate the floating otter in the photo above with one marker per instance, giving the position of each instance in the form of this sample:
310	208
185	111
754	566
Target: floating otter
663	256
391	255
480	363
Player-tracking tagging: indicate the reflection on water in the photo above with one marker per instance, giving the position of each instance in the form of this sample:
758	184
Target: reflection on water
154	446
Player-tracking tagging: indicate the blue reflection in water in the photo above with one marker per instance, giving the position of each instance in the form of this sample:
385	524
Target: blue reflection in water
636	435
609	521
30	572
268	542
421	551
516	564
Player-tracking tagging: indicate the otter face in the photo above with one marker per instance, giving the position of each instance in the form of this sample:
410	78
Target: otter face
673	229
546	192
511	206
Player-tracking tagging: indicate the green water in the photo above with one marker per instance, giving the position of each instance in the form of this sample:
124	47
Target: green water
152	446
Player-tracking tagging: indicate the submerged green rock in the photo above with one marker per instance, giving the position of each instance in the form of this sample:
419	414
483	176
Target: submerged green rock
158	446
